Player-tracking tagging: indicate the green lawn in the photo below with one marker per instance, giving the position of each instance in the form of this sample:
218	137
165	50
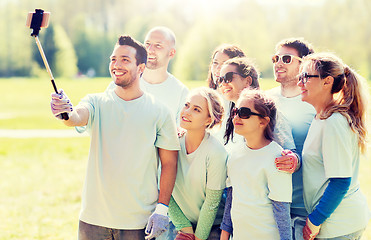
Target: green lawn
41	178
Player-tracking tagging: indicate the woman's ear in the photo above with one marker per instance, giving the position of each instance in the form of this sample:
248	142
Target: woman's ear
208	122
328	81
264	121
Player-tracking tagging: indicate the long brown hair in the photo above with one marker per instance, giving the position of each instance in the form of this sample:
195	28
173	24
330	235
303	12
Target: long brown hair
350	90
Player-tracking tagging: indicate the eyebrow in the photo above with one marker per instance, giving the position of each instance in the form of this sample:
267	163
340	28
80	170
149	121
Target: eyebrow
197	106
122	56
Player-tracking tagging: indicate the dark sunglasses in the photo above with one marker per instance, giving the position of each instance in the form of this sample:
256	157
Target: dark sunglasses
304	76
244	113
227	78
286	59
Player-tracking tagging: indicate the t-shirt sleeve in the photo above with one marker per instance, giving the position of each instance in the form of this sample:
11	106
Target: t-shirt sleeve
87	102
283	132
167	137
217	168
337	147
279	184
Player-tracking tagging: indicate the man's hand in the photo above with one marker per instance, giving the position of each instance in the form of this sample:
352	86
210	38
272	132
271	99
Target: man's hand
60	103
158	222
288	162
310	231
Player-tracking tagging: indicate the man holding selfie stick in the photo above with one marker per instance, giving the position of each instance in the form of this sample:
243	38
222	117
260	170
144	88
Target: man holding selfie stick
156	80
129	129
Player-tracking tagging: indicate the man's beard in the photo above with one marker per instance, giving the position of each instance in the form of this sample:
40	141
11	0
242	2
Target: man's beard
152	65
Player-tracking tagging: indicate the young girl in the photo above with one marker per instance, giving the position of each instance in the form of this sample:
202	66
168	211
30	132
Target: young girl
331	154
201	171
261	194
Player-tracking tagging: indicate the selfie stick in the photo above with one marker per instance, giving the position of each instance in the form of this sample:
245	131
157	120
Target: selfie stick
35	25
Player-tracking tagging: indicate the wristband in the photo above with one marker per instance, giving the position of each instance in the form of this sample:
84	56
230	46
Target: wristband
161	209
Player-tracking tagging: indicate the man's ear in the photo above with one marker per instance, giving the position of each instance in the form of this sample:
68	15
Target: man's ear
172	52
141	68
248	81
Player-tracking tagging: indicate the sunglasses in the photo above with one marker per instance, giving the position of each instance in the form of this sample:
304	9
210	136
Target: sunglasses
286	59
244	113
304	76
227	78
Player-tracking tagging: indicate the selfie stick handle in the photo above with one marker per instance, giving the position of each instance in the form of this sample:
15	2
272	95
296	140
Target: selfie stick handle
64	115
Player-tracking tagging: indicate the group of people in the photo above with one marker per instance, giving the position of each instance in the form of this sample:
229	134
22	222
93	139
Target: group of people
227	160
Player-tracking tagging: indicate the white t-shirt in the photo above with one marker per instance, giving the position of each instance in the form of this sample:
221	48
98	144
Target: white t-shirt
120	189
256	181
204	168
171	92
299	115
331	151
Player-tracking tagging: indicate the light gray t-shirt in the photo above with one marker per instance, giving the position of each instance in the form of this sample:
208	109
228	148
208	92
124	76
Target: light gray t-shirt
256	182
331	151
120	189
204	168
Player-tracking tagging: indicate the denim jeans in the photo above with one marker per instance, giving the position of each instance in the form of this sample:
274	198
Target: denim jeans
172	232
169	234
353	236
92	232
297	224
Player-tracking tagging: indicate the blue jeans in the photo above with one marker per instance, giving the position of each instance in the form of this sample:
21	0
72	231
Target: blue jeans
93	232
297	224
353	236
169	234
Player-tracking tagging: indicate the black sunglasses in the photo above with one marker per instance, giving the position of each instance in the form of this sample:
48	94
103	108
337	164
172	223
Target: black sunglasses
227	78
244	113
304	76
286	59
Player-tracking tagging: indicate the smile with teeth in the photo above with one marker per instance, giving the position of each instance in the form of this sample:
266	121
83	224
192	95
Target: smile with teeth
185	119
118	73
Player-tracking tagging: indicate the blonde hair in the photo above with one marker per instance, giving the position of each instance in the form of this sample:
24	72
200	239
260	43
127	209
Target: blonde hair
349	90
214	104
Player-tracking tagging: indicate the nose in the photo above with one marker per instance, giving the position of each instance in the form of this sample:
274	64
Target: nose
300	83
117	64
150	48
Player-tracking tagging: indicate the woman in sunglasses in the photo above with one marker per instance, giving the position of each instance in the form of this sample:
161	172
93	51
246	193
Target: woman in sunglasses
221	54
260	206
202	169
238	74
331	154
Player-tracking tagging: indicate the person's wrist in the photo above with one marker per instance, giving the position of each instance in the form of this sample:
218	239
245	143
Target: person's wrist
161	209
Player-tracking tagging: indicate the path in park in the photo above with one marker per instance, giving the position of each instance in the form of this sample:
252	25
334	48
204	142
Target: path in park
39	133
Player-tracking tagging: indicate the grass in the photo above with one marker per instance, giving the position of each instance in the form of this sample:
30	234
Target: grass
42	178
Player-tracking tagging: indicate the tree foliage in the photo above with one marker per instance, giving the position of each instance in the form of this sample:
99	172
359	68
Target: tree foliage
82	33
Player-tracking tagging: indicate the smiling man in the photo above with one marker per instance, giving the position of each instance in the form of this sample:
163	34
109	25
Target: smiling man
129	130
156	80
299	114
160	45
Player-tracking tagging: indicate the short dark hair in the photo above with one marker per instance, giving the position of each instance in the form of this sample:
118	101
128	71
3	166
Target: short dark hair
141	54
303	47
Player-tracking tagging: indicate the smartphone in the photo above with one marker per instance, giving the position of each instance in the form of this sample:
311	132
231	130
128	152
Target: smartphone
36	20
